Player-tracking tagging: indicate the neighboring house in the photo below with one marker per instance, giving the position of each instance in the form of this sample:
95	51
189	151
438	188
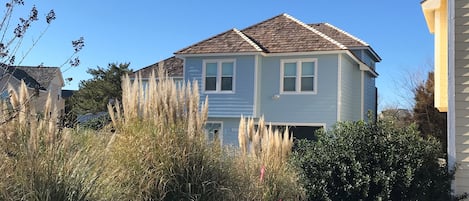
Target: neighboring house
40	82
449	21
305	76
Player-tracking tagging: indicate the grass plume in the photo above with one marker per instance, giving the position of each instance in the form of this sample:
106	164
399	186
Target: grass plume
39	162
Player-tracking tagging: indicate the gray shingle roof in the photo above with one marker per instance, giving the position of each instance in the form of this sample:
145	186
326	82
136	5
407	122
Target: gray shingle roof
34	77
43	75
172	65
280	34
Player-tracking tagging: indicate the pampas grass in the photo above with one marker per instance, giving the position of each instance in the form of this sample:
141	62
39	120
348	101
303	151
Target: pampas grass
159	147
156	150
39	162
267	162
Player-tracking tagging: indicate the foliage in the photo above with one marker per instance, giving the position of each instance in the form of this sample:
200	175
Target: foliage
373	161
105	86
42	162
429	120
399	117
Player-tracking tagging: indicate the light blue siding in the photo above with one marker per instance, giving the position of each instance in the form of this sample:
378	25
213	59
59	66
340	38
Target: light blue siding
230	130
241	102
365	57
351	90
370	95
300	108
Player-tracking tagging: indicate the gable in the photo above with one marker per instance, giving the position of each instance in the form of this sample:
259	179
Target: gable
283	34
227	42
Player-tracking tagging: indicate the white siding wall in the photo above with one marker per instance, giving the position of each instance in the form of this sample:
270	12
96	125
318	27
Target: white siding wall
461	71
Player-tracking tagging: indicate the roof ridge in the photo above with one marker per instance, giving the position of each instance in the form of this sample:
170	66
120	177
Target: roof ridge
247	39
348	34
340	45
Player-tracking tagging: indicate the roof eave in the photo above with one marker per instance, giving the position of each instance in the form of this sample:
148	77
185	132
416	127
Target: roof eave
370	49
363	66
429	7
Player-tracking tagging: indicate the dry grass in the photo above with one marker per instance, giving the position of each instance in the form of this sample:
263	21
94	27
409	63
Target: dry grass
265	158
39	161
157	152
160	147
162	152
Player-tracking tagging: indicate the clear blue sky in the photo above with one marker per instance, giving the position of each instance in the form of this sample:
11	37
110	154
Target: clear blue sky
143	32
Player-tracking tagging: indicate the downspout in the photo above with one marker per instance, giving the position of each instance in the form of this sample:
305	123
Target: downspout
451	115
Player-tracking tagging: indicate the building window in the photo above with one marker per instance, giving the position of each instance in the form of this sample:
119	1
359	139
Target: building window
298	76
4	95
219	75
213	131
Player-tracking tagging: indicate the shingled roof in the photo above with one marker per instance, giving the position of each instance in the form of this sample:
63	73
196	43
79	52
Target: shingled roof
34	77
172	65
227	42
280	34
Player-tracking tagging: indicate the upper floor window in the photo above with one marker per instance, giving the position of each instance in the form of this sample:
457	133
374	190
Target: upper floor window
298	76
219	75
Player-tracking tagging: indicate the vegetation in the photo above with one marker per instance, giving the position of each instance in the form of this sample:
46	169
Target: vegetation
156	150
173	160
429	120
373	161
96	93
40	162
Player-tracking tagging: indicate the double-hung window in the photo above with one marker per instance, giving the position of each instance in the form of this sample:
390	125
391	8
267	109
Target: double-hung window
219	75
298	76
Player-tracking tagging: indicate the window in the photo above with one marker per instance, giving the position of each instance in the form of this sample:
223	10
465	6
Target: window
213	131
219	75
298	76
4	95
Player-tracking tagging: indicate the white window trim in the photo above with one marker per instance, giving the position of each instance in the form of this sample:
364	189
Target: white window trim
220	134
298	76
219	76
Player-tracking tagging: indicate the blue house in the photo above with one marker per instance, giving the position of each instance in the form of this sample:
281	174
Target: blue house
304	76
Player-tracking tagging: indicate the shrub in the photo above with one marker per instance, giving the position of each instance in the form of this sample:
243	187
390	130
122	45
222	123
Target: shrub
372	161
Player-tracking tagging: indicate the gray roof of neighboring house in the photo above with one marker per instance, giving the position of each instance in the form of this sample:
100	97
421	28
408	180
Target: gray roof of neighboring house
34	77
172	65
280	34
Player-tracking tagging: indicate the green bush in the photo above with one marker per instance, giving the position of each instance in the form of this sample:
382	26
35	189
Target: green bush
372	161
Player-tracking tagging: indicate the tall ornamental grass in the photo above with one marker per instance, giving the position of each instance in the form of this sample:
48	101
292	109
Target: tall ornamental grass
264	159
160	152
159	149
40	161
